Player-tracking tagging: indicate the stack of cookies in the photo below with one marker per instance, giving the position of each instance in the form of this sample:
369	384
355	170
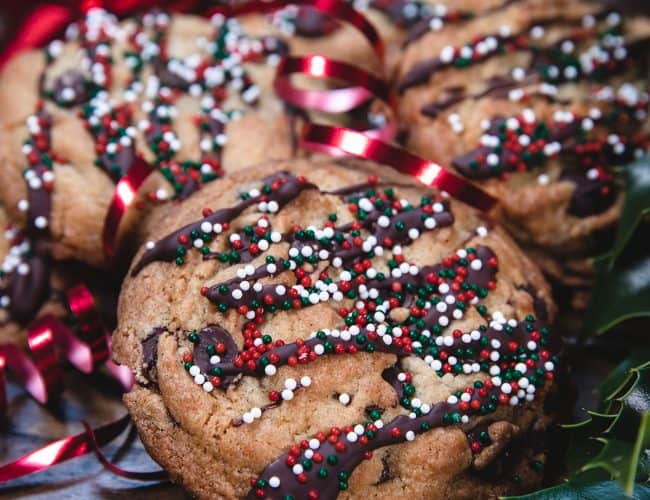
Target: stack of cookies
304	327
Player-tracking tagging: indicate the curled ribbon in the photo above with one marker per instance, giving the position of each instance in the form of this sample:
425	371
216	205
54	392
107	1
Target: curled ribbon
336	140
366	84
75	446
124	195
40	372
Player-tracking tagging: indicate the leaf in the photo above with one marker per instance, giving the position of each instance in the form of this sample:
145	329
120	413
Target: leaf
620	375
637	203
609	452
590	490
621	458
620	293
629	443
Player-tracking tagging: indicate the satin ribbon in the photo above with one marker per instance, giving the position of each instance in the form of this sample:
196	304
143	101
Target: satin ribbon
40	371
75	446
336	140
41	374
124	196
367	85
369	145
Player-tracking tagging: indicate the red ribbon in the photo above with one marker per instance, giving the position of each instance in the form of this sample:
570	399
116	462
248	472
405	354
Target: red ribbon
334	100
126	191
40	372
44	22
333	140
72	447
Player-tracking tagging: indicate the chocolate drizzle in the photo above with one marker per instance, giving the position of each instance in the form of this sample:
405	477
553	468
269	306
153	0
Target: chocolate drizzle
150	352
166	248
70	88
206	347
590	196
470	167
423	70
350	453
402	13
28	291
422	27
27	285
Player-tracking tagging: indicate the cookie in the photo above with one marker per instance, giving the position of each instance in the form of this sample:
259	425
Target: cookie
309	329
193	96
537	102
32	285
394	20
24	280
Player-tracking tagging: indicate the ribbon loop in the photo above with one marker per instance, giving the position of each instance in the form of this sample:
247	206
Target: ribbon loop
72	447
325	138
367	86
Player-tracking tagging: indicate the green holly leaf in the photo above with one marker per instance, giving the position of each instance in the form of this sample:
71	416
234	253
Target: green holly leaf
609	452
621	292
620	376
588	490
621	458
637	203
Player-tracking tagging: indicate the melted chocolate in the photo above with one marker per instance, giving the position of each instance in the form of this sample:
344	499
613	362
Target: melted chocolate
399	13
28	292
423	70
421	28
119	163
539	304
166	249
150	352
393	432
480	278
212	336
588	196
70	88
390	375
470	167
312	23
385	470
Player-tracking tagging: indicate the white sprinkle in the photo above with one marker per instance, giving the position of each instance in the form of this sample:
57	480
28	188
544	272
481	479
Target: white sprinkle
447	54
40	222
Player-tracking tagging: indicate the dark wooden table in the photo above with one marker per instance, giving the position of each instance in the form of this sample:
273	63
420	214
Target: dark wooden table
93	398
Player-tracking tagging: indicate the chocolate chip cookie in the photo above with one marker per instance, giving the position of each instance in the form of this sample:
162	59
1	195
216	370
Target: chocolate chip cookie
314	329
192	96
537	102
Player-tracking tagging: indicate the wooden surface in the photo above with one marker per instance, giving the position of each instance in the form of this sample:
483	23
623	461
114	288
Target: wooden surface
95	399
